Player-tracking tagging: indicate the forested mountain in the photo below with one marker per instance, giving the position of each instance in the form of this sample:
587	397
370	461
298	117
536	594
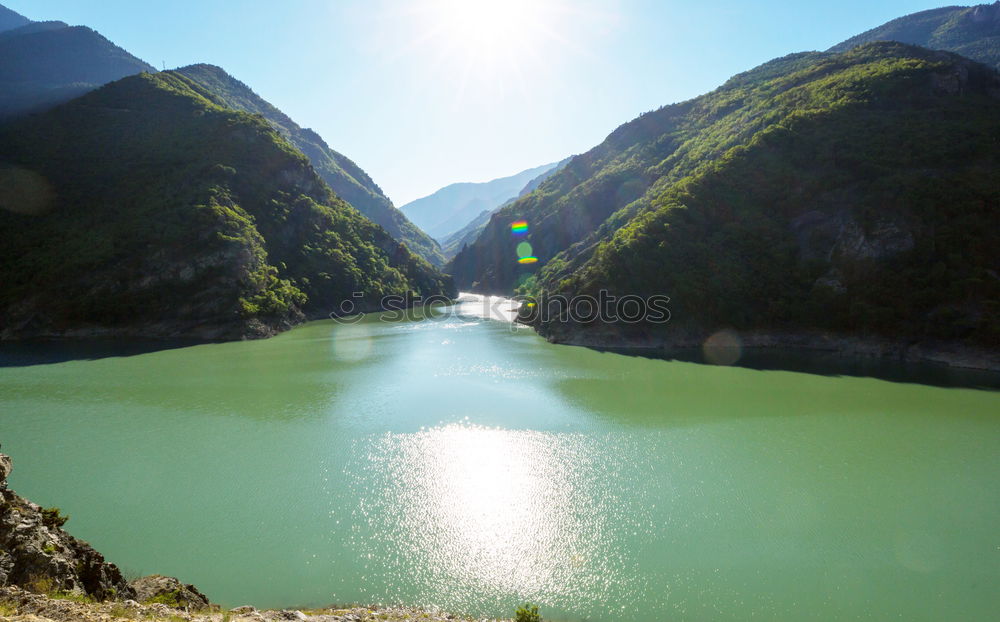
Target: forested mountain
855	192
973	32
9	19
455	242
345	177
453	207
47	63
147	208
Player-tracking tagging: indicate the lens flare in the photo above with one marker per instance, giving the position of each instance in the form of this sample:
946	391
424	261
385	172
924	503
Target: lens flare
527	260
519	227
723	348
524	249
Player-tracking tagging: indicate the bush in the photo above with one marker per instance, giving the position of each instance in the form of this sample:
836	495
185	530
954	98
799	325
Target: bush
527	613
52	518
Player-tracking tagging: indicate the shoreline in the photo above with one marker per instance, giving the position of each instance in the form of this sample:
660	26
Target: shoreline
20	605
958	356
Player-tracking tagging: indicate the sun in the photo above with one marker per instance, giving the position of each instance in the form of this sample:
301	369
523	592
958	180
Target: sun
489	23
487	30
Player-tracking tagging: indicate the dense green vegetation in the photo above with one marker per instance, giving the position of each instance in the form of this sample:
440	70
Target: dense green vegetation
573	206
527	613
146	206
973	32
47	63
345	177
856	192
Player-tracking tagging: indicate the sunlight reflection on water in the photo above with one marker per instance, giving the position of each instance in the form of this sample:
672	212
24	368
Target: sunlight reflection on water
487	514
487	307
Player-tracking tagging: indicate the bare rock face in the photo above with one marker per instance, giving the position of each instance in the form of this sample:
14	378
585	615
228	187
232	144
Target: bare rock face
6	466
168	591
36	554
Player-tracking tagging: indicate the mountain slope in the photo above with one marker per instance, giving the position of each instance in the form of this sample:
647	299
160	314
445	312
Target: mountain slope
47	63
453	207
973	32
574	206
10	20
345	177
146	208
861	199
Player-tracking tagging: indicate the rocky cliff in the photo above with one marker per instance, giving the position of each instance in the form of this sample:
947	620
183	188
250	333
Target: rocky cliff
36	553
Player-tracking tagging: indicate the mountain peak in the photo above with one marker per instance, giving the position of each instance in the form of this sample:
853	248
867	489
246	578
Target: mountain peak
10	20
969	31
986	12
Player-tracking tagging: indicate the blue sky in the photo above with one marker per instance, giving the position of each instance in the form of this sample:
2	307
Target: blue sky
423	93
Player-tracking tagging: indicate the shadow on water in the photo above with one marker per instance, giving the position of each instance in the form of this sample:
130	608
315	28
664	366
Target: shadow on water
48	352
834	364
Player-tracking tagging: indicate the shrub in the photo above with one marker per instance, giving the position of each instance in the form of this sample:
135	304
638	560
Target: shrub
171	599
527	613
52	518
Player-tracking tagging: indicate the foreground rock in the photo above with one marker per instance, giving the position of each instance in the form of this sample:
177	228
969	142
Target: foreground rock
37	554
168	591
17	605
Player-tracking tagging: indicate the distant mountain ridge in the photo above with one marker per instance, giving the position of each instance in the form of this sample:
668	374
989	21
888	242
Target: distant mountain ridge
9	19
345	177
973	32
43	64
451	208
455	242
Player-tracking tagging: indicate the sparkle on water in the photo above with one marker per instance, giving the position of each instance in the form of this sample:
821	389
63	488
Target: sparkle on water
463	462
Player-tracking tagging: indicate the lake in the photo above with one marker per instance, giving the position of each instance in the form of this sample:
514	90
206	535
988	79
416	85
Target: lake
464	463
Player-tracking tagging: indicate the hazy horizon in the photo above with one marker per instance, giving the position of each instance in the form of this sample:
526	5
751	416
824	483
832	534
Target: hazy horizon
428	93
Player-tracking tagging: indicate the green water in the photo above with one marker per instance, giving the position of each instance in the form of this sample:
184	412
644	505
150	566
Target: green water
458	463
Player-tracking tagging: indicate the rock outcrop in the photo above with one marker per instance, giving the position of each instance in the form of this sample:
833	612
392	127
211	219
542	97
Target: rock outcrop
35	553
17	605
169	591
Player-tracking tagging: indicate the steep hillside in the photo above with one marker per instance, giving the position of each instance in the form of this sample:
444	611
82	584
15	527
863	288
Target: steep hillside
9	19
345	177
861	198
47	63
146	208
453	207
973	32
638	160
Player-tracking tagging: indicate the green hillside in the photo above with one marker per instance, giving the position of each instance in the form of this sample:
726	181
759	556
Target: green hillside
345	177
863	200
851	192
147	208
633	164
973	32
